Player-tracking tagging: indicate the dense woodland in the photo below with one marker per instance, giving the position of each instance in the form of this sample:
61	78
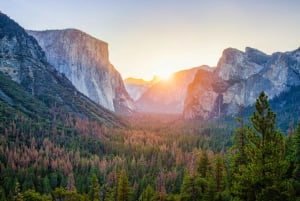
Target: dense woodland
154	157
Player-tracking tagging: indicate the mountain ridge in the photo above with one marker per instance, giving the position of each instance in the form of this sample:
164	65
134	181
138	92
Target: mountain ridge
246	74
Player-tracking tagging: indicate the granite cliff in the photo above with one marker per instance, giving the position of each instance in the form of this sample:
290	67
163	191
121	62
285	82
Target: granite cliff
38	87
84	60
237	81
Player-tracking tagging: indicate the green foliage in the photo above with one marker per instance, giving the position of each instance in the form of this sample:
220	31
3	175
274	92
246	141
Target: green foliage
192	188
31	195
296	160
163	161
18	195
94	193
203	165
261	175
147	194
123	187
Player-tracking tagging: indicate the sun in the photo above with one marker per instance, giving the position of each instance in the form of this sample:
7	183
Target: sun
164	76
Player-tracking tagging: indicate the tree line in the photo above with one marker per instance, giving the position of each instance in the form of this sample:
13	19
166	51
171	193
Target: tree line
81	160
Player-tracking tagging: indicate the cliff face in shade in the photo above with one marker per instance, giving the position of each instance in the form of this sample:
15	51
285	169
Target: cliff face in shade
241	76
23	61
168	96
85	62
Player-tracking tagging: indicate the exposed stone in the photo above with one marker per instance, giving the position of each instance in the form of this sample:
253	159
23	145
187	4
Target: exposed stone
84	60
23	60
244	75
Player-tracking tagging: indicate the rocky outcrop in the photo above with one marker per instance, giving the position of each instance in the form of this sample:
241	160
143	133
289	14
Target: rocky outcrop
23	60
242	76
168	96
85	62
206	100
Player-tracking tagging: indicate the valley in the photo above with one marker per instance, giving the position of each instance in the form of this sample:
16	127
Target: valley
72	129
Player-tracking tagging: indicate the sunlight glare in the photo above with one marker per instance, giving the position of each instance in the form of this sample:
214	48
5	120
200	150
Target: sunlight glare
165	76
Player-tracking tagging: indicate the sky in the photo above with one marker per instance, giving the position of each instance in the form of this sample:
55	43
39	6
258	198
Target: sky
158	37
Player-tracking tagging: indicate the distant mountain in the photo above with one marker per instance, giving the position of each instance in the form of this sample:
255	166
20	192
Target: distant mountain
137	87
84	60
30	85
237	81
168	96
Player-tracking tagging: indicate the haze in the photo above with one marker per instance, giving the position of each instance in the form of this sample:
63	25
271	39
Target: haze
161	37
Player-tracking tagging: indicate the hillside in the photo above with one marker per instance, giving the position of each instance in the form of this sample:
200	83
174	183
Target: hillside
25	63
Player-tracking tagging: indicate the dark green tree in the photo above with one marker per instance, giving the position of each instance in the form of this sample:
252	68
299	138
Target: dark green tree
262	176
46	186
18	195
2	194
147	194
296	160
94	192
123	187
191	189
203	165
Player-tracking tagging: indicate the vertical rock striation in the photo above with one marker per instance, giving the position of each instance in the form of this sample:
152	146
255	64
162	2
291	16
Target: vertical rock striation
84	60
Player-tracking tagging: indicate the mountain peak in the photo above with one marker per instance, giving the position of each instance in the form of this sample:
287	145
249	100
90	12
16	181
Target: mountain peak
238	80
84	60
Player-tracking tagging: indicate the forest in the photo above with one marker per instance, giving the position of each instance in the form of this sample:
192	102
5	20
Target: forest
153	157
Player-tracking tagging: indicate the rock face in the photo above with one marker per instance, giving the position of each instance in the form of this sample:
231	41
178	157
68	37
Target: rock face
137	87
23	60
168	96
241	76
85	62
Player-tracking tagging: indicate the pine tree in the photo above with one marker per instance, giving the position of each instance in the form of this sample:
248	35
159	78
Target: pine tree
203	165
262	175
219	173
71	183
296	159
46	186
94	192
147	194
18	195
2	194
191	189
240	141
123	187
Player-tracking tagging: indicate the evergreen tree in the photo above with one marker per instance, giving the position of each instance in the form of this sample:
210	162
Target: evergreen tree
261	177
71	182
2	194
94	192
219	173
18	195
46	186
240	141
147	194
203	165
191	189
296	159
123	187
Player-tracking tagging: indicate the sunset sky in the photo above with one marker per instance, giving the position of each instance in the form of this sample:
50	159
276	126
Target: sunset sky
164	36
